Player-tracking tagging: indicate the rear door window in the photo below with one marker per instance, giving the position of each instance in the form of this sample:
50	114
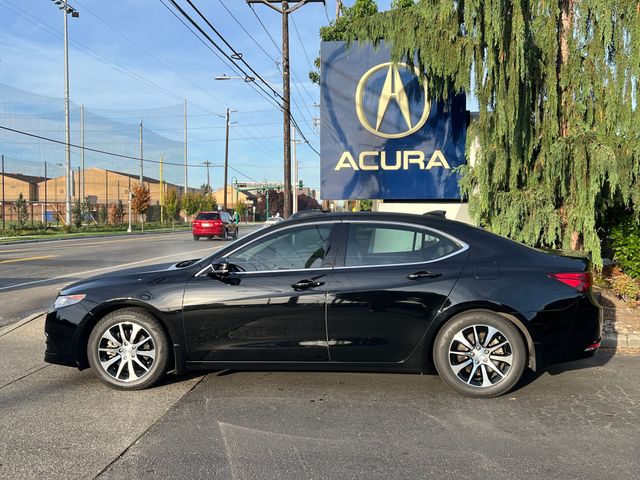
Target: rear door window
371	244
208	216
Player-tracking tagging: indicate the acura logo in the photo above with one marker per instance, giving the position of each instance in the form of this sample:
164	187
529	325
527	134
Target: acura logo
392	89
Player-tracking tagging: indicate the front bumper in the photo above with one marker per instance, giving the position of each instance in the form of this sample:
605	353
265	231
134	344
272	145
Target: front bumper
62	335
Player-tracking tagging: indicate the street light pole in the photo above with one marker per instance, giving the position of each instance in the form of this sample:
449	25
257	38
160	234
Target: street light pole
226	159
66	10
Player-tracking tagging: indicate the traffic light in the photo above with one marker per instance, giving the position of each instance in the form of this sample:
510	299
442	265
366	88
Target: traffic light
300	184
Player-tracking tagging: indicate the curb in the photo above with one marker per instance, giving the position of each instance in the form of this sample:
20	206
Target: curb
14	326
80	237
621	340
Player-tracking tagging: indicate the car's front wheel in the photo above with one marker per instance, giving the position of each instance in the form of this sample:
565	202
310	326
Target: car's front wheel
128	350
480	354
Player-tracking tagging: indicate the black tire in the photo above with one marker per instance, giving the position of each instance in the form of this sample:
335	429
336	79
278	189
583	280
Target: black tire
479	372
225	235
122	367
196	238
235	234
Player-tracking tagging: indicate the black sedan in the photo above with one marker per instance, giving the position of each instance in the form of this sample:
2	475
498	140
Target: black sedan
352	291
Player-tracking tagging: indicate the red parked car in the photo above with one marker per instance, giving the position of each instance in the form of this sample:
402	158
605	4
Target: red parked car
214	224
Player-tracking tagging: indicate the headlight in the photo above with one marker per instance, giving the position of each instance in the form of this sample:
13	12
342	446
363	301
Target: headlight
67	300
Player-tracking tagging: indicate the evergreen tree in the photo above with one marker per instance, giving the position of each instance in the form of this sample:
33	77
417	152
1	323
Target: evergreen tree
22	211
557	84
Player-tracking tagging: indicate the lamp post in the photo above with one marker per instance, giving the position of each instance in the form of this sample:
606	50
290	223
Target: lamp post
66	10
266	183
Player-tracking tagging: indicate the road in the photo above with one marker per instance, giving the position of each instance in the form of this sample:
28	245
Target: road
32	273
576	421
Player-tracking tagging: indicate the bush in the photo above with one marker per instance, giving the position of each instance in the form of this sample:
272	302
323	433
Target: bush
625	243
626	288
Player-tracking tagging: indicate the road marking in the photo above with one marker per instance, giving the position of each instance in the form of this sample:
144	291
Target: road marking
72	243
27	259
44	280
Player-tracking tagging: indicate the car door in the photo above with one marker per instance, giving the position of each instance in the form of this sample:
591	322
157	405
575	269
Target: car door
388	284
264	302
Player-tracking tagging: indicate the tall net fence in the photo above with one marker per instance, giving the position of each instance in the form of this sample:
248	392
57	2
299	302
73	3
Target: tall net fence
103	173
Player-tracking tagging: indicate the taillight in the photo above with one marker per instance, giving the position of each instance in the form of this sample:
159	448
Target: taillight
581	281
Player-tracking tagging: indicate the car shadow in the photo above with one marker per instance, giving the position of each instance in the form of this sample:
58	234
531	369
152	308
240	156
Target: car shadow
603	356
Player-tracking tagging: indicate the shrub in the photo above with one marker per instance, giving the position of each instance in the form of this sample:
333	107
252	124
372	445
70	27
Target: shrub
625	243
626	288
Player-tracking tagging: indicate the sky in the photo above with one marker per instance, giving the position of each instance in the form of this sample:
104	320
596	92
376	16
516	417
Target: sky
135	56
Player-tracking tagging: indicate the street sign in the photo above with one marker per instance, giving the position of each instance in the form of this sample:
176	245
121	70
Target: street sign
381	135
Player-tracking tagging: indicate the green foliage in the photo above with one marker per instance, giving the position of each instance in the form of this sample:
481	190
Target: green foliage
78	213
171	203
205	202
189	204
241	208
22	211
557	89
103	214
364	205
625	243
626	288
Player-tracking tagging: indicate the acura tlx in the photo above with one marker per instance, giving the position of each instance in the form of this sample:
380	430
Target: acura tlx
337	291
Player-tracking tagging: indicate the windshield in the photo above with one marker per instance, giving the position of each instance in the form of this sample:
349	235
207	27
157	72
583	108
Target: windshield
208	216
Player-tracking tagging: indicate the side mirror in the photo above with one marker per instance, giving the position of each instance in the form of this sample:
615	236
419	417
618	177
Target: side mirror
220	270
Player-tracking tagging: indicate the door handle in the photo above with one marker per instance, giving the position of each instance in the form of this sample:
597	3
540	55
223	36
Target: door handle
423	274
306	283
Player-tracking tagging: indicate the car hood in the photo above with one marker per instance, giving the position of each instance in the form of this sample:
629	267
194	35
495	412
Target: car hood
146	274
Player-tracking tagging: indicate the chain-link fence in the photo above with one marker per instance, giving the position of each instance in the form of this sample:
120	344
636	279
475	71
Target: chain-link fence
102	173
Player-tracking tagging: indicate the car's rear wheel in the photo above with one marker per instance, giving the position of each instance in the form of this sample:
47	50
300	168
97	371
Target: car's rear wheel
480	354
128	350
225	235
196	238
235	234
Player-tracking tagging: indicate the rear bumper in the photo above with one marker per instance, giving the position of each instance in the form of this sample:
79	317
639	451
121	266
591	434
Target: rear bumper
208	232
581	340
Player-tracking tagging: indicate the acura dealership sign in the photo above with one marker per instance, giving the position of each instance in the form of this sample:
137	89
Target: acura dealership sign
381	136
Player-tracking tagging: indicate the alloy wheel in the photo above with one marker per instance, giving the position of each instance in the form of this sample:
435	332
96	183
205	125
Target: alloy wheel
480	355
126	351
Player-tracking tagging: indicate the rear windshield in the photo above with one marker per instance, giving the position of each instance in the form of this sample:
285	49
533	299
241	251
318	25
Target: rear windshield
208	216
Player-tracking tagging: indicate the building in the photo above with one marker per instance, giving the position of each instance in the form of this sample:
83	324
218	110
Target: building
233	196
13	184
103	187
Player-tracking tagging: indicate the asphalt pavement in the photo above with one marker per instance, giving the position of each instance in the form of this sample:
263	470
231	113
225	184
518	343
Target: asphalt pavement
577	421
31	274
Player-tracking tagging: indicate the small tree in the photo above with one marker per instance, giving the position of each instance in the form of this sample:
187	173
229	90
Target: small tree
78	214
141	201
190	204
22	212
241	208
103	214
116	213
171	203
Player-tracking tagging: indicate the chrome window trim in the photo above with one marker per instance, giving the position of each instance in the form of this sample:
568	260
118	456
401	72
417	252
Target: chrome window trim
288	227
463	247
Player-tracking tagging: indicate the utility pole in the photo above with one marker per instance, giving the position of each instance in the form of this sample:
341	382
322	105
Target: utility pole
186	179
338	8
66	10
141	157
161	193
285	10
208	163
3	220
81	179
295	171
226	160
